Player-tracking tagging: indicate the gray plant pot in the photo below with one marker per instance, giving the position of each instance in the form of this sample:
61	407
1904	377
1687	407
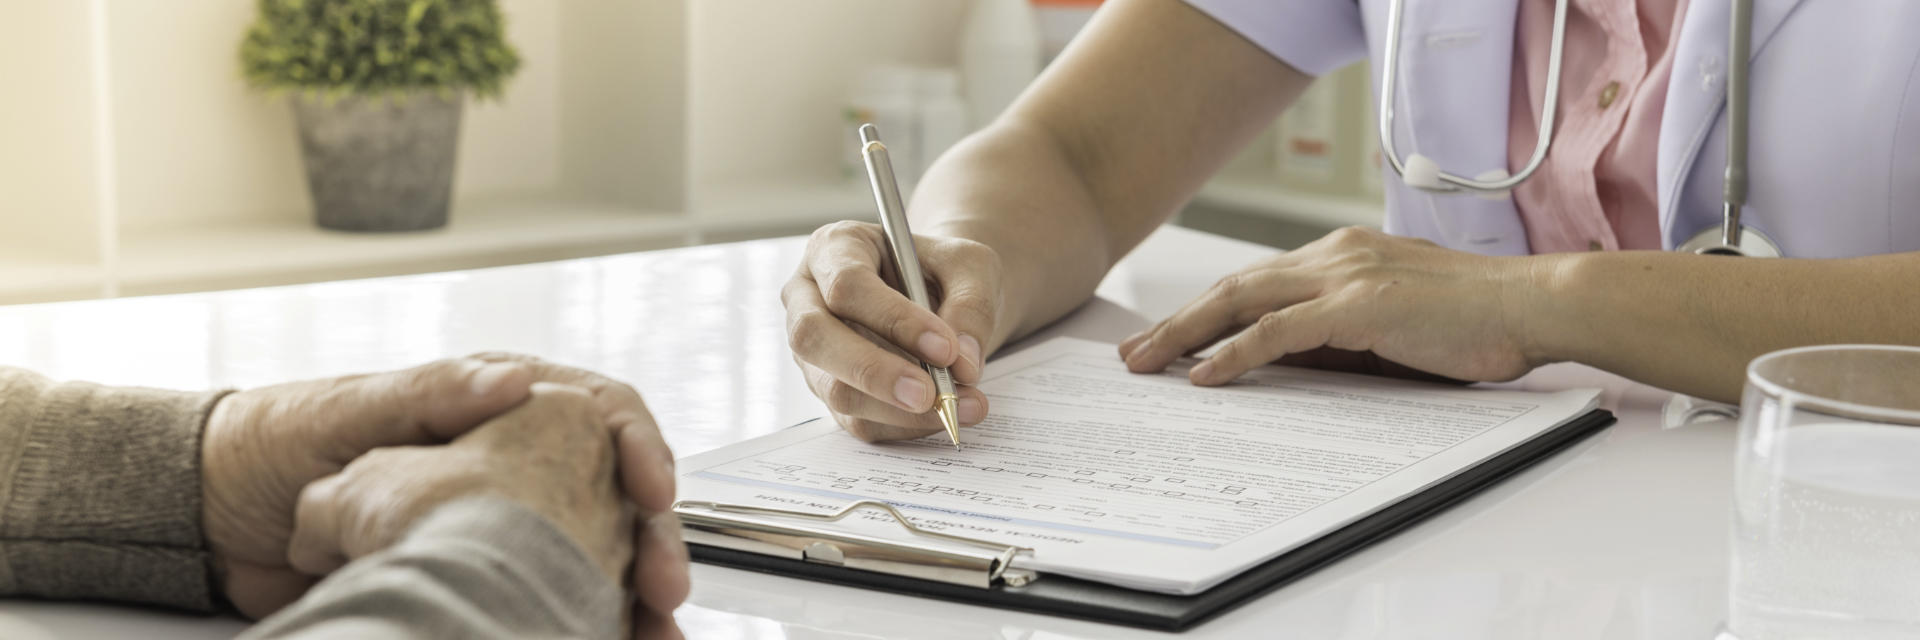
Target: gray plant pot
379	164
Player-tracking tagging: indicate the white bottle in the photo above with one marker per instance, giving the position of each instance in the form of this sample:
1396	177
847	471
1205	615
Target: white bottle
942	114
884	96
999	55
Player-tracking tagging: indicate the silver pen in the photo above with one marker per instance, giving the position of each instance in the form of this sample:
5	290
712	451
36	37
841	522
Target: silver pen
906	262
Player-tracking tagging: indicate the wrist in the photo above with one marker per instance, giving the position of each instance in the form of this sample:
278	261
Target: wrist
1550	312
228	527
215	512
1015	274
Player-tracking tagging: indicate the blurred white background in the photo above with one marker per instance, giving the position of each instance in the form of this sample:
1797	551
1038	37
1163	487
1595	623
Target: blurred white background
136	160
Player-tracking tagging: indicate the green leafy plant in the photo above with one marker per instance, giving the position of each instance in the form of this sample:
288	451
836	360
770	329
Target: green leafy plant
378	47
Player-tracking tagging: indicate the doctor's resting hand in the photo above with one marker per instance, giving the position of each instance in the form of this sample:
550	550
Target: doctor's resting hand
1020	221
464	484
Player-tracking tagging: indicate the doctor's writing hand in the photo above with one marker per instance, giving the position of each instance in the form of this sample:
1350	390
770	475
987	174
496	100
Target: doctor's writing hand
859	341
1353	299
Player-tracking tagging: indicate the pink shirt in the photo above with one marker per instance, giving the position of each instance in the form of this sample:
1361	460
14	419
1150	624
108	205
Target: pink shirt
1597	188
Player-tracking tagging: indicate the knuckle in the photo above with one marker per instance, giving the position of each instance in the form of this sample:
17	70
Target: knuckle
502	356
1359	261
325	492
1272	323
562	395
901	321
843	398
808	330
567	404
794	290
1231	286
837	230
872	371
841	291
420	384
1350	235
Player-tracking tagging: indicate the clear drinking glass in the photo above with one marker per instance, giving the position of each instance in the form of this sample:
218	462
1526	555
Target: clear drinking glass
1826	522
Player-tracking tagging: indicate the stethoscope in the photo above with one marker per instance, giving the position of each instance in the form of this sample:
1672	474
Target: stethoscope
1731	239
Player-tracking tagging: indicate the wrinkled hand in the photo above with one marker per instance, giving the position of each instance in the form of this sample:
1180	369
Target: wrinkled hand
660	579
1352	300
844	321
553	454
263	446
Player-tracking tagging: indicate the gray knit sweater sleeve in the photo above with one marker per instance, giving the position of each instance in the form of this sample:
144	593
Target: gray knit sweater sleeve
475	568
100	492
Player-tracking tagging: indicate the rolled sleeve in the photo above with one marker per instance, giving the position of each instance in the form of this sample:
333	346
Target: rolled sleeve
1314	36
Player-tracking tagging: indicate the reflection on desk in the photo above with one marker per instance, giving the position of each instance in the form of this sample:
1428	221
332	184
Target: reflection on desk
1623	536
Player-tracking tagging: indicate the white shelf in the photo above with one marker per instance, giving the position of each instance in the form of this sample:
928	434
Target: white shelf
241	254
478	234
1271	199
24	279
261	253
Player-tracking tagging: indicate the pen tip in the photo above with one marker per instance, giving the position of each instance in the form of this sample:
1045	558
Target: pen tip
949	418
869	133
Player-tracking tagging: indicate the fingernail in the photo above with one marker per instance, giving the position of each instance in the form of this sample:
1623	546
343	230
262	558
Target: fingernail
936	347
970	349
488	379
912	394
1202	372
970	410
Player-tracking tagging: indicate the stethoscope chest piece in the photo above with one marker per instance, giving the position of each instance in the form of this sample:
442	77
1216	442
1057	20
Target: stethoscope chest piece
1712	242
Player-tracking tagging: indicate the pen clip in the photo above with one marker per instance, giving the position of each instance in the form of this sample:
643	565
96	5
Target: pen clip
893	217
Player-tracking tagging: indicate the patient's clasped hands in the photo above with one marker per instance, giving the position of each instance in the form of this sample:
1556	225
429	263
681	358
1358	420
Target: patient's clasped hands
301	478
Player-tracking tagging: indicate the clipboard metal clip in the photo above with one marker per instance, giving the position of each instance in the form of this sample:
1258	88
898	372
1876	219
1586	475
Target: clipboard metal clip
967	561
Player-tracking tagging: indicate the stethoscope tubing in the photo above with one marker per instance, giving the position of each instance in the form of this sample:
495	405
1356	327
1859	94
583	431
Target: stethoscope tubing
1734	191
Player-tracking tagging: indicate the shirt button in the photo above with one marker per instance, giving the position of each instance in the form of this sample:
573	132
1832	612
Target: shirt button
1608	93
1593	245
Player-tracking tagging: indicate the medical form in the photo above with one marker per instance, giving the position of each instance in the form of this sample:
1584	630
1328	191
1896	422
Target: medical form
1143	480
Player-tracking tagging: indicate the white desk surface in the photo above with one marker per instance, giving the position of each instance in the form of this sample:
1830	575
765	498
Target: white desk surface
1623	536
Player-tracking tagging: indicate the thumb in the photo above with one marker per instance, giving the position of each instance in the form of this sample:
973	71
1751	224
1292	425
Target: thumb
428	404
316	548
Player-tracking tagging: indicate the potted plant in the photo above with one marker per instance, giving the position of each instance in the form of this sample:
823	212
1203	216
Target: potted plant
377	87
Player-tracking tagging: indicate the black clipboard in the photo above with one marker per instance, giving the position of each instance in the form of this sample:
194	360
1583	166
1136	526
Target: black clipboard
1072	597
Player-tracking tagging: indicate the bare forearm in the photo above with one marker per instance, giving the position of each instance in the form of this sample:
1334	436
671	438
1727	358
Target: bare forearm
1117	135
1691	323
1009	188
